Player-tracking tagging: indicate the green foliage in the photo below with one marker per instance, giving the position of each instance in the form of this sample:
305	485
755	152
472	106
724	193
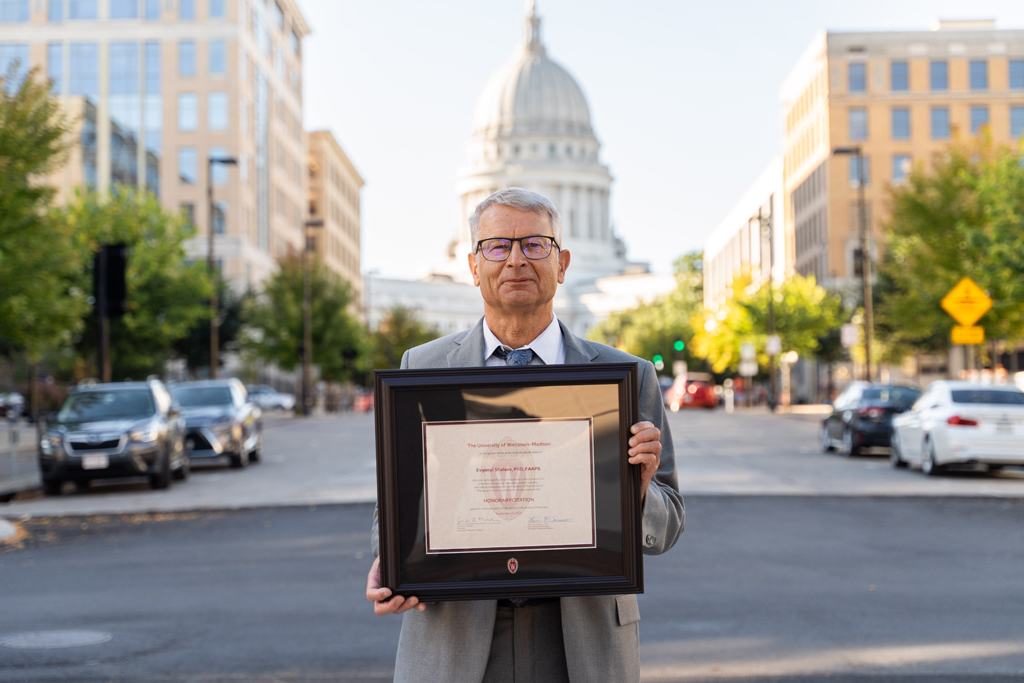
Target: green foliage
194	348
397	332
167	295
965	218
653	329
804	314
40	306
273	322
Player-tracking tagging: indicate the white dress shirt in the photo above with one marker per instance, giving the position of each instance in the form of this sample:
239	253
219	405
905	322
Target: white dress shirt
548	348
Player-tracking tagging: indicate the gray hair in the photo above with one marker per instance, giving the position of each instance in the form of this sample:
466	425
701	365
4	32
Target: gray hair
524	200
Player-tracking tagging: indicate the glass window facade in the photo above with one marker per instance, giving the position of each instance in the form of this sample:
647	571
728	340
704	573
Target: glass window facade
217	10
278	14
901	167
899	76
153	11
186	58
153	115
186	9
55	67
218	58
857	76
1017	74
55	11
13	11
940	123
82	9
12	54
858	124
855	171
124	9
125	113
220	173
979	118
979	74
259	31
939	72
1016	122
900	123
220	215
217	111
188	165
188	111
293	40
261	115
83	80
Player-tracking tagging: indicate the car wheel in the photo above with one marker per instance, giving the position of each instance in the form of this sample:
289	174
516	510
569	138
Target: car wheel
824	440
162	479
848	449
996	468
239	459
52	487
895	457
257	451
928	464
183	472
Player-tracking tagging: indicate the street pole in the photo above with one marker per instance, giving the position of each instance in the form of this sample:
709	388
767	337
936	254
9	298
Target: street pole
103	355
211	266
766	230
865	265
307	318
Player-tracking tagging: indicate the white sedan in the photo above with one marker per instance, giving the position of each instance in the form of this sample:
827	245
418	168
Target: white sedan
961	423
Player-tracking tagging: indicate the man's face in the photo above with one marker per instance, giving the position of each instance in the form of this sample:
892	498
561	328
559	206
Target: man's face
518	283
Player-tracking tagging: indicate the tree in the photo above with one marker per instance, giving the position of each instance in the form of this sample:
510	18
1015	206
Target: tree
965	218
398	331
194	348
166	291
273	322
654	328
40	304
804	314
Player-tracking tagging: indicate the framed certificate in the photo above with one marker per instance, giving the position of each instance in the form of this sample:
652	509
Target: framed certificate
508	482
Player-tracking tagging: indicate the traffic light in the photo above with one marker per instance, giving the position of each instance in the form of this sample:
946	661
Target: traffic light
679	345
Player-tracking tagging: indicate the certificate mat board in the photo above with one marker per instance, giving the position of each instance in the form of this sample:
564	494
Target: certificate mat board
509	484
565	406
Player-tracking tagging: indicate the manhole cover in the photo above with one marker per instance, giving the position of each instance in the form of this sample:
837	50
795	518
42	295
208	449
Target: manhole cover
51	640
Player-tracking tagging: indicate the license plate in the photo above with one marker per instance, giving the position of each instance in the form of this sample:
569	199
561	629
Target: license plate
95	462
1005	427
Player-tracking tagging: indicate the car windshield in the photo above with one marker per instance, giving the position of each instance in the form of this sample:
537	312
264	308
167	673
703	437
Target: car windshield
994	396
191	397
899	396
107	405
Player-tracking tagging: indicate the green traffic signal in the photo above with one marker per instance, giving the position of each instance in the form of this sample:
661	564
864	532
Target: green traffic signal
658	358
679	345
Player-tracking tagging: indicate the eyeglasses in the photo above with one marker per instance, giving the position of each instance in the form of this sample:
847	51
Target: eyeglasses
534	247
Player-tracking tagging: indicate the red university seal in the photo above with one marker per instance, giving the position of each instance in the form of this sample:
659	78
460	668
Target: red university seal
513	565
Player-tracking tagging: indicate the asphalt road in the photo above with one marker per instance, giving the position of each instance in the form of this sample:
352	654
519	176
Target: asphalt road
767	588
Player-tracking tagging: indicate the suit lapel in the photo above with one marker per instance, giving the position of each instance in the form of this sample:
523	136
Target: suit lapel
469	348
577	352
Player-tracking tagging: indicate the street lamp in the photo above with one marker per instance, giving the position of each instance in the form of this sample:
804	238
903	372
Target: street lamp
865	254
766	224
307	317
211	263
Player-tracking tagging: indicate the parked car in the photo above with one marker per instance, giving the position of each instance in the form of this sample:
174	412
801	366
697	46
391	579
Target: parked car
693	390
269	398
220	420
122	429
961	423
862	416
12	405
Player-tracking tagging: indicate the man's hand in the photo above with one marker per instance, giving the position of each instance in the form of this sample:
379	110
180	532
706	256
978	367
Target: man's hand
379	596
644	450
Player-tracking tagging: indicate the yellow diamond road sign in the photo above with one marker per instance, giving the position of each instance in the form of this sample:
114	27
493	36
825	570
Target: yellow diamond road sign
968	335
966	302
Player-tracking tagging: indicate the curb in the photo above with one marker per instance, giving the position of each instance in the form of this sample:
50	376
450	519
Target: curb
7	530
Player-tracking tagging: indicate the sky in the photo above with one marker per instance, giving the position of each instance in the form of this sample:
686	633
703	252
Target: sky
683	98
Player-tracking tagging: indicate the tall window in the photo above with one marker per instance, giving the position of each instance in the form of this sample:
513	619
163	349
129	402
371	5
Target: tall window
13	11
55	11
55	67
219	174
979	74
293	40
84	69
1017	74
186	58
11	54
153	117
1016	122
857	76
940	123
855	171
900	123
186	9
188	111
125	113
218	58
899	77
858	124
277	14
217	111
188	165
153	11
124	9
220	215
979	118
901	167
940	75
82	9
217	9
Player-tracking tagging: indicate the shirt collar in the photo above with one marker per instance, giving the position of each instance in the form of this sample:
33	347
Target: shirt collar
545	346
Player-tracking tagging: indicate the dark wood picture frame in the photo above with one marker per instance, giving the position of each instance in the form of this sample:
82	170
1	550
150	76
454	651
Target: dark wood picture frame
405	399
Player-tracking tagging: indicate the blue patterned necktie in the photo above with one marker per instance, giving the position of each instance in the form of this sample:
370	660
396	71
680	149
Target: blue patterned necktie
517	357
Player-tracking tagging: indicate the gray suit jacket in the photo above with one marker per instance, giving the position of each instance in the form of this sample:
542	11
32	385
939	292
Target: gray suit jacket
451	641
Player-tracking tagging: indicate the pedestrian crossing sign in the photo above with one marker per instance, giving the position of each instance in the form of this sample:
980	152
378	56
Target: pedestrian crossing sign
966	302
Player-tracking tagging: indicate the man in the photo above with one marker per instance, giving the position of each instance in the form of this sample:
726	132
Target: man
518	264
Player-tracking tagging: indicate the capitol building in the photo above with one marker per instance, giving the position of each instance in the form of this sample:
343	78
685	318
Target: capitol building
532	129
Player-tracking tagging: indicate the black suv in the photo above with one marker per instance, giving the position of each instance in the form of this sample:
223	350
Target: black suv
120	429
221	420
862	416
